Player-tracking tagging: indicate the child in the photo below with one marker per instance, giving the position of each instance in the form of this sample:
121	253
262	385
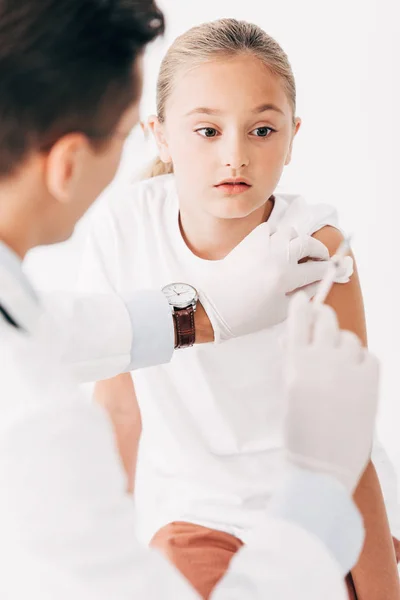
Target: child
211	420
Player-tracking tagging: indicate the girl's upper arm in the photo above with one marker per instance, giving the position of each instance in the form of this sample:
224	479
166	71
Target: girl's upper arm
375	575
346	299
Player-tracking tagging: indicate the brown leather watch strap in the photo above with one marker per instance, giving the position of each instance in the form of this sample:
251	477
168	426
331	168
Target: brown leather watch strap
184	327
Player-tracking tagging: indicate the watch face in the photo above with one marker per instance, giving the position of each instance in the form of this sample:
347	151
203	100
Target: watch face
180	295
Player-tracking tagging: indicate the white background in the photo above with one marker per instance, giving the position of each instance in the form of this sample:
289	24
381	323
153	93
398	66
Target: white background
347	65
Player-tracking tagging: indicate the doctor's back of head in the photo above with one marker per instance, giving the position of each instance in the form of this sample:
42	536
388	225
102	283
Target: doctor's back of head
71	81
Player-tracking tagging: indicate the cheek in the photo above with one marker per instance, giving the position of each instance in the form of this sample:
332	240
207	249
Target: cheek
191	151
191	167
274	154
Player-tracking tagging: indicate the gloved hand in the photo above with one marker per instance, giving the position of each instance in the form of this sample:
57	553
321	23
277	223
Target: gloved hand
332	394
258	277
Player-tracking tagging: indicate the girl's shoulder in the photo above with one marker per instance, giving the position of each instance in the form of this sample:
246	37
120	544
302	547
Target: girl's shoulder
292	210
145	199
157	189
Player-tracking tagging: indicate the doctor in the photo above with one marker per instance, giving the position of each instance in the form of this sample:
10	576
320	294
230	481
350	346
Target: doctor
71	81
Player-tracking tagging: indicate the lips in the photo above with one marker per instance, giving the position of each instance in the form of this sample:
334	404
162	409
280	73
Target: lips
238	184
233	187
234	181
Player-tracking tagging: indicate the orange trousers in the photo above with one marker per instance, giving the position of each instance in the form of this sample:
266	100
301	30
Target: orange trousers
203	555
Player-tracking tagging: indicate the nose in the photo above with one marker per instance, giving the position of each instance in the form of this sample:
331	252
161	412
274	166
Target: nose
234	152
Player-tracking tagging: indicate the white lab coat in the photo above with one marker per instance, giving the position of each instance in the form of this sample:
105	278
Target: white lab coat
66	524
96	333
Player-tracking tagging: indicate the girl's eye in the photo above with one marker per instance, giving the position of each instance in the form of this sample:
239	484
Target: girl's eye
208	132
263	131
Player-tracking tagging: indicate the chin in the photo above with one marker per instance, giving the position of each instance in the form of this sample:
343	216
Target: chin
233	208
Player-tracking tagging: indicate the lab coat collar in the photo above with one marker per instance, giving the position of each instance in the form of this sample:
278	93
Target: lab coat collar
13	263
17	296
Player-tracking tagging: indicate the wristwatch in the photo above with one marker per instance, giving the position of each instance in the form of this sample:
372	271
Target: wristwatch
183	299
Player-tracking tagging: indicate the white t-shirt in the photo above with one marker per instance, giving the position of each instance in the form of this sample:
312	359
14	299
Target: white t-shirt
211	447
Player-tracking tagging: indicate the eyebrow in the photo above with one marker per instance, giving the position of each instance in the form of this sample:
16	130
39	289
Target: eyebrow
215	111
265	107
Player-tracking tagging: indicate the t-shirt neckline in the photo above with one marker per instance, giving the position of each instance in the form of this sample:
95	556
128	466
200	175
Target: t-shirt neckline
184	248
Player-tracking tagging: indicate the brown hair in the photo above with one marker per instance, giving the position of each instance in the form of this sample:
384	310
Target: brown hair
222	38
66	66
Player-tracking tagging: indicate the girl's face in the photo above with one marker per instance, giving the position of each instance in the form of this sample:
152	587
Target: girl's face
228	119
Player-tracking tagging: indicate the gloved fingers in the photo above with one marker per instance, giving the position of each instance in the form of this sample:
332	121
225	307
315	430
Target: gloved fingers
280	243
299	322
326	328
350	347
310	290
285	234
307	273
305	246
370	363
345	270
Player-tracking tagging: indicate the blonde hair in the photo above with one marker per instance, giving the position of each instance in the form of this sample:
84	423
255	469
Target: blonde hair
222	38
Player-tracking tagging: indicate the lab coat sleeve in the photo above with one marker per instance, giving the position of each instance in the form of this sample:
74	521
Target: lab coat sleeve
107	334
102	335
321	505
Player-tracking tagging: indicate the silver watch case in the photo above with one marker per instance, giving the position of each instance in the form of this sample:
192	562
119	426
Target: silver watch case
174	301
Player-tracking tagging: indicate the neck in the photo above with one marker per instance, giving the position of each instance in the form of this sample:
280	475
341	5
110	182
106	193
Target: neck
19	219
213	239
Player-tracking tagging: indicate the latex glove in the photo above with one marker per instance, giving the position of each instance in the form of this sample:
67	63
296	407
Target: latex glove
332	394
252	293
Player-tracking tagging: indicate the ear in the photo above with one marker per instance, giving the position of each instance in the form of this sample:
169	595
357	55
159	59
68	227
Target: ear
296	127
65	166
158	131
